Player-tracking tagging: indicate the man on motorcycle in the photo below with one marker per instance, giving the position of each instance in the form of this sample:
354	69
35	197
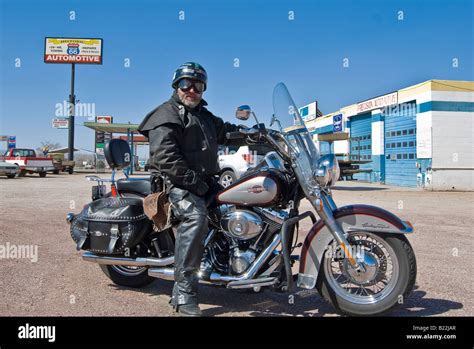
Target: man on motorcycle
184	137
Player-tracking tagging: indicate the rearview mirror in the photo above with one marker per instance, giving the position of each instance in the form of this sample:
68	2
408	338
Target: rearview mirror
243	112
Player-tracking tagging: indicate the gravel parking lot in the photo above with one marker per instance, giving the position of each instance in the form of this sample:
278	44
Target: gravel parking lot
59	283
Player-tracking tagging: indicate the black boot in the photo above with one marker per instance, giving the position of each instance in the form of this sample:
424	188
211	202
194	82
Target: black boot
188	310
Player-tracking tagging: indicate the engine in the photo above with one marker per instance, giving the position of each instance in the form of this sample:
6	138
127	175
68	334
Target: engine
241	224
241	234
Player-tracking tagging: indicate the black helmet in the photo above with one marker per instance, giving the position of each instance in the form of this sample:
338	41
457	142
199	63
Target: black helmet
189	70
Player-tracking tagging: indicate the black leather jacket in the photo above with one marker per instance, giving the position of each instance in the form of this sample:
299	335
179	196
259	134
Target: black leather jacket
184	143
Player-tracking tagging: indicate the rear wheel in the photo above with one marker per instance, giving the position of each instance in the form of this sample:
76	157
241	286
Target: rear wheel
387	278
42	174
11	175
227	178
70	170
127	275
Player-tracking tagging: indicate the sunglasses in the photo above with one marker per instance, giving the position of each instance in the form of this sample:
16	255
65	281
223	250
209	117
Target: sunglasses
187	85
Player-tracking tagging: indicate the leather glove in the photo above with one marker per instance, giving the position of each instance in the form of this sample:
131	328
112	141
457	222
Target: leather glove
194	183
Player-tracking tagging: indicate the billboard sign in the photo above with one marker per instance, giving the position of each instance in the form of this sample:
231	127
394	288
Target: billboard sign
73	50
60	123
11	142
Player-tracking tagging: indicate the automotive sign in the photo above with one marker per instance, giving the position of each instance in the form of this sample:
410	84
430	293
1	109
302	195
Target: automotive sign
73	50
378	102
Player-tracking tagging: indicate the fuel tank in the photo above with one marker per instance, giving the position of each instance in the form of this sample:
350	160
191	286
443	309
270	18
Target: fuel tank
262	188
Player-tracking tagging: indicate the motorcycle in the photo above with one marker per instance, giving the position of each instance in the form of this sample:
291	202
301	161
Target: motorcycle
358	256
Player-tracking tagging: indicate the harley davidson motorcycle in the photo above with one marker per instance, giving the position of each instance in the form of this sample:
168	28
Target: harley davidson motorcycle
357	256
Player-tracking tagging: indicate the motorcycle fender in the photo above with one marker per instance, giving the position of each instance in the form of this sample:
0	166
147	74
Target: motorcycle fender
350	218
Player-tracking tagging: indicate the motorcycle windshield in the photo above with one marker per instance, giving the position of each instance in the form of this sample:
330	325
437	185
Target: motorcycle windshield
287	118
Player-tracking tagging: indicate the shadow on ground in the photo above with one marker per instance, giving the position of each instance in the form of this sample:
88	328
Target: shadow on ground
302	303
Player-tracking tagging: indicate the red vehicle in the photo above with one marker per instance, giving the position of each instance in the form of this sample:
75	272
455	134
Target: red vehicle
28	162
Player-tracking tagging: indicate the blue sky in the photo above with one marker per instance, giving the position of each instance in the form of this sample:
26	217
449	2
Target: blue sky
306	53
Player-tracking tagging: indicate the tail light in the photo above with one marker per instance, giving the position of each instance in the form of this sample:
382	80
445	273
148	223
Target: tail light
113	190
248	158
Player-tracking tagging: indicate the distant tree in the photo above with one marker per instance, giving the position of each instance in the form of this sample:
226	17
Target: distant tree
48	144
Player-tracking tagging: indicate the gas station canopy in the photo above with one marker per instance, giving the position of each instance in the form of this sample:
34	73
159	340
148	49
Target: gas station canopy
112	128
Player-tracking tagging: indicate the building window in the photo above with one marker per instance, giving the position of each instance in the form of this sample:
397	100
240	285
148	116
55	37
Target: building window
410	131
368	137
369	146
411	144
411	156
399	156
405	156
405	132
387	134
393	133
399	145
387	145
405	144
393	145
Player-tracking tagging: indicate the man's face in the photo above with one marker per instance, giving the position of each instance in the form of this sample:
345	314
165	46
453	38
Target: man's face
189	96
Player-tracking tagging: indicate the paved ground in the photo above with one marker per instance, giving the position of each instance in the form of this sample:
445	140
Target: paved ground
33	212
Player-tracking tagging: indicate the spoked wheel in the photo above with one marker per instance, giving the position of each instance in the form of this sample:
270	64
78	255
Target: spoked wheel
386	276
128	276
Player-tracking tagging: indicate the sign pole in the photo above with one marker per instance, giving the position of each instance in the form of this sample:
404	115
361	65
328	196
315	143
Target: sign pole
72	107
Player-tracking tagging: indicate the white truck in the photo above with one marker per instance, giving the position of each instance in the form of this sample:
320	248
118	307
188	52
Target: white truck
234	162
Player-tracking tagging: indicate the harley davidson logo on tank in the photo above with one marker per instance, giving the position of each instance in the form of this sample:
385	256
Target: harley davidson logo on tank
256	189
267	186
73	50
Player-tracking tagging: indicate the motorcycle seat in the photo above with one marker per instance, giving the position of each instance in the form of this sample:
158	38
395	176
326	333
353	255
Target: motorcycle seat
141	187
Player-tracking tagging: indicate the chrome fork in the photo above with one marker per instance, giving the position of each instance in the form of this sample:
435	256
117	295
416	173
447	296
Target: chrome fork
325	206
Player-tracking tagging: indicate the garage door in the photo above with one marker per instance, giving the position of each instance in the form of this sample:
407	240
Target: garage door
400	146
361	143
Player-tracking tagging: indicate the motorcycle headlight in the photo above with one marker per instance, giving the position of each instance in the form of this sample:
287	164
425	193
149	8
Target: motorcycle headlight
327	171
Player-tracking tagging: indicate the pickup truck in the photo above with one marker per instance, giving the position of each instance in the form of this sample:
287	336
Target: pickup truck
28	162
60	164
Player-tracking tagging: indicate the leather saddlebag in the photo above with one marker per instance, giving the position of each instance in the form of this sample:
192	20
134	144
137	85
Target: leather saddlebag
110	225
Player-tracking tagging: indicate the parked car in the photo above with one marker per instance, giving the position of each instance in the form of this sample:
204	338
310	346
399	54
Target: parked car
235	161
28	162
9	170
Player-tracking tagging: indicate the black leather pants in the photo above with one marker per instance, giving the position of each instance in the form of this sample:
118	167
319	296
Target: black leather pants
191	211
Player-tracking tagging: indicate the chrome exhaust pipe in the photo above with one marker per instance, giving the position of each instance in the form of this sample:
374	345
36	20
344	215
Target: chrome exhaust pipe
138	262
162	273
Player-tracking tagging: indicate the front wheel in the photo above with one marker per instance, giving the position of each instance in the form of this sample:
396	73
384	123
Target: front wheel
386	279
135	277
42	174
